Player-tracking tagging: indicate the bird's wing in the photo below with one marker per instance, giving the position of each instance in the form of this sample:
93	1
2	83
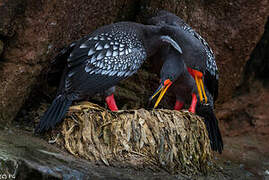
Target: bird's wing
211	81
64	53
211	74
99	62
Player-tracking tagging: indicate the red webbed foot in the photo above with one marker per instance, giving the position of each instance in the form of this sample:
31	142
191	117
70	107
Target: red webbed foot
193	103
178	105
111	103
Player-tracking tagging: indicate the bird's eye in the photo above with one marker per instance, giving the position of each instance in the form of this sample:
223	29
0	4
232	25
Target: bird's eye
167	81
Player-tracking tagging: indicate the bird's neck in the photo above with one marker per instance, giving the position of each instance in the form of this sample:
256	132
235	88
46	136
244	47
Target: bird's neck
157	37
151	39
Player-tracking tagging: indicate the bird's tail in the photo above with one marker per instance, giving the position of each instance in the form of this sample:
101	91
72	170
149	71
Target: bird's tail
212	126
54	114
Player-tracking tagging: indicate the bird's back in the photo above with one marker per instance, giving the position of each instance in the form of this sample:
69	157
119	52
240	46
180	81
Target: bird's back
101	59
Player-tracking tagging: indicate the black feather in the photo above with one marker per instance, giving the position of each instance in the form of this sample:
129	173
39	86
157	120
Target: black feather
88	84
54	114
63	55
212	84
212	127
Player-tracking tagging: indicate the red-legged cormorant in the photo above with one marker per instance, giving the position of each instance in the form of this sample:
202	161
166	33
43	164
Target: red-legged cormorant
97	62
193	72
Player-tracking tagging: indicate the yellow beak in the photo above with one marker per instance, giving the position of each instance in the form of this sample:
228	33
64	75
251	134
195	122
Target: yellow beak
162	90
201	89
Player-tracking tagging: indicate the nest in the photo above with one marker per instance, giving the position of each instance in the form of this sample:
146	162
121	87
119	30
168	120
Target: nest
157	139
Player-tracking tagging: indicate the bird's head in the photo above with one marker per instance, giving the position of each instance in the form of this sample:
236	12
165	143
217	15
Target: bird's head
172	68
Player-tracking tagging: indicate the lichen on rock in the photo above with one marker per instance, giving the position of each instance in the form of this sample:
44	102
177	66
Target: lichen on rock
154	139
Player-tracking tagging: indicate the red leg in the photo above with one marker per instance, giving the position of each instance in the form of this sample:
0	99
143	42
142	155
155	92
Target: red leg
193	103
111	103
178	105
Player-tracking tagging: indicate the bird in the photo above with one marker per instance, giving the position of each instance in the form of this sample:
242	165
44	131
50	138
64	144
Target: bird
193	72
174	71
98	61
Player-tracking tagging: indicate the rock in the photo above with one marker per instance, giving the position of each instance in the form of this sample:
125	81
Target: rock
247	113
10	14
157	139
14	78
257	66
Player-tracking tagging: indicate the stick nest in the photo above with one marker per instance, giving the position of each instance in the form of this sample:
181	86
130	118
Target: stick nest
176	141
